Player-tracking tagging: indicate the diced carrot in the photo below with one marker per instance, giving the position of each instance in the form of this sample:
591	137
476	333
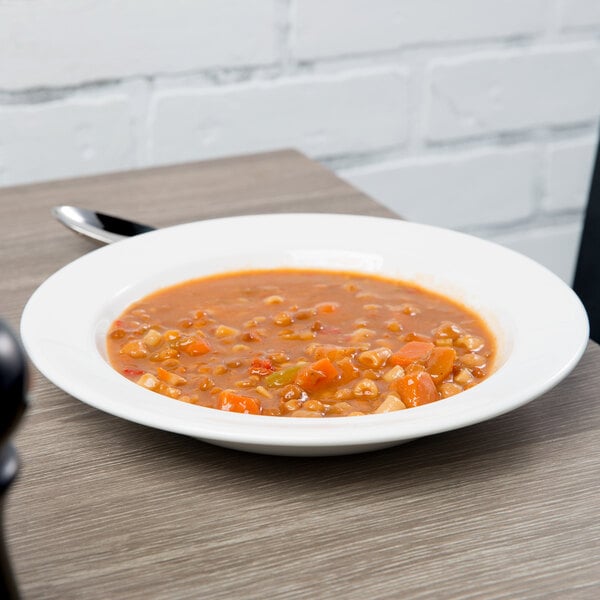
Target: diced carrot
233	402
440	363
417	389
317	375
170	378
196	348
411	352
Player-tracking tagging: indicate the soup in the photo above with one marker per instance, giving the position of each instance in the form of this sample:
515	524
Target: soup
301	343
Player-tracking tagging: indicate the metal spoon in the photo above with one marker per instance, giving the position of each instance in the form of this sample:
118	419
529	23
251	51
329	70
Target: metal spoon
98	226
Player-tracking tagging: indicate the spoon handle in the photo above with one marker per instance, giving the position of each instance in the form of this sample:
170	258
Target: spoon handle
98	226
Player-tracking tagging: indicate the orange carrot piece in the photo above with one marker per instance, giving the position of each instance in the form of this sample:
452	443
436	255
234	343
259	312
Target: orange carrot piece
196	348
415	390
411	352
170	378
440	363
231	401
317	375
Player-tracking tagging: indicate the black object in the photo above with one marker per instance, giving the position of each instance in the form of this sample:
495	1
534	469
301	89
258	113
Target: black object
587	273
13	388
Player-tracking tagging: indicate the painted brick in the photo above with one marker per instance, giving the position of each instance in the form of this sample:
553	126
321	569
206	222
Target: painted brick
510	91
456	191
65	138
569	174
320	115
65	42
337	27
579	14
555	247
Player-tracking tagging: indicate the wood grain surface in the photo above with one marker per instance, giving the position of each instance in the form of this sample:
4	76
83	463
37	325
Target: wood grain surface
105	508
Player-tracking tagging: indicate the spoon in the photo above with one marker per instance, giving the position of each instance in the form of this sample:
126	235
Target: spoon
98	226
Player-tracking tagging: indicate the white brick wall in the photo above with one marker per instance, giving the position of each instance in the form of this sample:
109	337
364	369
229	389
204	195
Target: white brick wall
473	114
554	246
320	115
66	42
61	138
580	14
569	172
326	28
494	92
458	190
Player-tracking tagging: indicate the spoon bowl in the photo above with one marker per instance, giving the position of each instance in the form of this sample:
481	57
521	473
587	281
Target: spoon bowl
98	226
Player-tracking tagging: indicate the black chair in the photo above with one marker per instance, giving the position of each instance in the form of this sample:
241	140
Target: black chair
587	273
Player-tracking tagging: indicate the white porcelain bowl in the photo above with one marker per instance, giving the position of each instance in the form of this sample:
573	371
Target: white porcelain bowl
540	325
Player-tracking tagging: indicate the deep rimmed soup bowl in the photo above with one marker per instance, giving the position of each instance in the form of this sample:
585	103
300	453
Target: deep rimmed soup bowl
539	325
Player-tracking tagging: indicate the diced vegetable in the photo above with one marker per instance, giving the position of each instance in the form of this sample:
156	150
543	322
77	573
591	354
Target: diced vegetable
411	352
148	380
152	338
261	366
197	347
317	375
447	330
394	373
440	363
170	378
231	401
349	370
450	388
391	403
470	342
464	377
133	372
283	376
135	349
415	390
473	360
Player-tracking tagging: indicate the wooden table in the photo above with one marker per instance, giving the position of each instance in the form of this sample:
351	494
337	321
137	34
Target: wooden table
105	508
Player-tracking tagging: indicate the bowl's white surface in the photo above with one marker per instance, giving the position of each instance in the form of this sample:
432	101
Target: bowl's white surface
540	324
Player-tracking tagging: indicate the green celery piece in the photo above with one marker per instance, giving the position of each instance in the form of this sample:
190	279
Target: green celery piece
283	376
